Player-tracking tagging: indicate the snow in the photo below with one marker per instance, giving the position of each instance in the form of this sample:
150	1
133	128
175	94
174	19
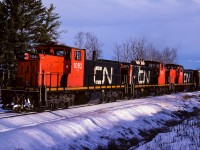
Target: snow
183	136
95	126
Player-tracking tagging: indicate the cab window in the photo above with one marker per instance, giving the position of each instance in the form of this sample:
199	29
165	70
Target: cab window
77	55
59	52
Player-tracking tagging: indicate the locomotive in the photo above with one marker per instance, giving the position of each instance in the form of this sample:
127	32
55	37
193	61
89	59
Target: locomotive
58	76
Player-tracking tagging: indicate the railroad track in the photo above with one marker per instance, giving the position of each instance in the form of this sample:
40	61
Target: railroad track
81	109
11	114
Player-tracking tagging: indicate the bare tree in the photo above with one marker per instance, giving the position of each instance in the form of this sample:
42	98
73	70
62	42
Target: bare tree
173	55
117	53
152	53
130	49
169	55
140	48
126	51
90	42
79	40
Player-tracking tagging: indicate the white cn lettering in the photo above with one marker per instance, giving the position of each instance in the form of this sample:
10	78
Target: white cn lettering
186	78
142	76
97	68
104	73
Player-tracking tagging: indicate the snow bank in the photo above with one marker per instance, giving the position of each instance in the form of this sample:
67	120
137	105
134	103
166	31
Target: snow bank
183	136
94	126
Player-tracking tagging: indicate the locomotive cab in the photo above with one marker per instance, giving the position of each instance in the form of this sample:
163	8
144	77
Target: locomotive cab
51	66
65	63
73	73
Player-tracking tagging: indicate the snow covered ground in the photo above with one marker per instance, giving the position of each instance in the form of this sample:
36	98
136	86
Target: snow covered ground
184	136
123	124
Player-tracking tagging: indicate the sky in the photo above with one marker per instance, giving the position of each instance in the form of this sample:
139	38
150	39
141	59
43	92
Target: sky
165	23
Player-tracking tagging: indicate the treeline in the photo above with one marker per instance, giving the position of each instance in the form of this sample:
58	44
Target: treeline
133	48
128	50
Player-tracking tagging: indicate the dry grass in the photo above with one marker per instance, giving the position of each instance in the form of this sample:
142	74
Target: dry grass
186	96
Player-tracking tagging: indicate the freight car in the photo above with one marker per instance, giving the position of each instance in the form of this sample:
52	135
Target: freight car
58	76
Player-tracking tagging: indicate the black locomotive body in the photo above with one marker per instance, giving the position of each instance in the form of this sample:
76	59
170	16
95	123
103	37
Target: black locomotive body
102	73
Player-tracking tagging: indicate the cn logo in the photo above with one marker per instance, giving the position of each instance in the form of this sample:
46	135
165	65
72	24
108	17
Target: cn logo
102	71
143	76
186	77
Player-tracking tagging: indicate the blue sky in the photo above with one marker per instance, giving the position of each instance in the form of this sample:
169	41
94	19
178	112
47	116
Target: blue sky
172	23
